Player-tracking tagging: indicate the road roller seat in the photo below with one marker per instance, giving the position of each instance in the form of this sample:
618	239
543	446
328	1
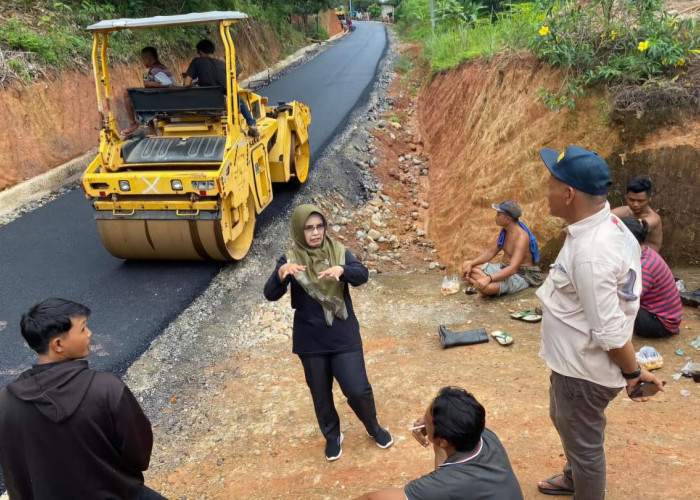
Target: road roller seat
157	102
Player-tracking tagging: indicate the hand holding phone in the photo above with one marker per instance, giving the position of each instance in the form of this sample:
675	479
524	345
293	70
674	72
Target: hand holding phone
644	390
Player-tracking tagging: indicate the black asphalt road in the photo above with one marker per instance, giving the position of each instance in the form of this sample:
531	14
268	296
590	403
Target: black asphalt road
56	251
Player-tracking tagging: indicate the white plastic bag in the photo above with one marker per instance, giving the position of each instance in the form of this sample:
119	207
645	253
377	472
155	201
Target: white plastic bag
450	285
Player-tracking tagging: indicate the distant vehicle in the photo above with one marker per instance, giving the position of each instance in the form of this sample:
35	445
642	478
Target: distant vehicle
190	189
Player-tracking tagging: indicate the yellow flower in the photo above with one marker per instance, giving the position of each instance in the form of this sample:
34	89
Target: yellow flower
613	35
681	62
544	31
697	51
643	46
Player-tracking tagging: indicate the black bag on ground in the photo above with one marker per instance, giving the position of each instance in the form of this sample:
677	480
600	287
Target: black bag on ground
448	338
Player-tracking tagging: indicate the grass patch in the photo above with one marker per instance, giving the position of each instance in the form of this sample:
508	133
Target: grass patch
404	64
450	45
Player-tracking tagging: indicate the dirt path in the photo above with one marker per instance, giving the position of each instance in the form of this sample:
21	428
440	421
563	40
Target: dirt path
256	437
246	428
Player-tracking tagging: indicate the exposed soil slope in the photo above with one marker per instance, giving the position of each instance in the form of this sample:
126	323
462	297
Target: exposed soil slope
483	126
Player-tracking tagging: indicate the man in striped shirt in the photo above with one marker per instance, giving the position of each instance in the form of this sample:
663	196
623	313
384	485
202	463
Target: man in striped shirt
660	309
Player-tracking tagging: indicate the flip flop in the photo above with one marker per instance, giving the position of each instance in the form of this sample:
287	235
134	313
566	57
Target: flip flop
558	489
502	337
528	316
470	290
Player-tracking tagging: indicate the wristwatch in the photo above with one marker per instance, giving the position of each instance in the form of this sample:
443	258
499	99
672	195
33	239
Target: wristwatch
635	374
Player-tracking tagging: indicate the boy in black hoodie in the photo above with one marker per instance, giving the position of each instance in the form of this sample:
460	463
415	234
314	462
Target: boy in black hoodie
67	431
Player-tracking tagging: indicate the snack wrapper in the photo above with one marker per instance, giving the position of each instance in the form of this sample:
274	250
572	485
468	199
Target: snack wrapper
649	358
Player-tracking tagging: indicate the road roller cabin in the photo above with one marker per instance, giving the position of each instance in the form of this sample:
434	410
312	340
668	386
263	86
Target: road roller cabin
191	188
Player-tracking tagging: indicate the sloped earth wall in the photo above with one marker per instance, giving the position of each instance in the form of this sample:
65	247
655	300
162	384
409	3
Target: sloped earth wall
52	121
483	127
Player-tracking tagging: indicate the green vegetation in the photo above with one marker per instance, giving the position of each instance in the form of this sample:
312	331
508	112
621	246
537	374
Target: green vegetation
465	29
49	33
611	41
598	42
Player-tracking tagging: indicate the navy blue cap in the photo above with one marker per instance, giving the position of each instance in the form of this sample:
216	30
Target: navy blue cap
579	168
509	207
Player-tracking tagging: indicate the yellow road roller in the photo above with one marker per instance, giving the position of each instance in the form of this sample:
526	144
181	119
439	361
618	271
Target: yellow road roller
189	188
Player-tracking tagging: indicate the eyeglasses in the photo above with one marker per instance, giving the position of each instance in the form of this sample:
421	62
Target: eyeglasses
313	229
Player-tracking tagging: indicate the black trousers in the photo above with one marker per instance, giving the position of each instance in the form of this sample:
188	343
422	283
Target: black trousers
649	325
348	369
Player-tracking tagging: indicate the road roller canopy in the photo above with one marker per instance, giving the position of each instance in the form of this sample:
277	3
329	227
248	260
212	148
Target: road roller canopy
165	21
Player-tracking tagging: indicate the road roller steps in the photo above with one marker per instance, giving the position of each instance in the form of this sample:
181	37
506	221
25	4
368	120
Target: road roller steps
191	186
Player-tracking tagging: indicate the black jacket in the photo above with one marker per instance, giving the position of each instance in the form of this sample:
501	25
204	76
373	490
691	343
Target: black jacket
311	335
70	432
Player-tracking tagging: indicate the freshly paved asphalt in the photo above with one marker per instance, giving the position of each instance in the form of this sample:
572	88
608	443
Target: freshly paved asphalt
55	251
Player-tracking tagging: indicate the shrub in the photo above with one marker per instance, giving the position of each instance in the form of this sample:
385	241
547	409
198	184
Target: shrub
375	11
611	41
318	32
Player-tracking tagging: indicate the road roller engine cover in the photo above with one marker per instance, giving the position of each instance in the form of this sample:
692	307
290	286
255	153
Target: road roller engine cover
191	187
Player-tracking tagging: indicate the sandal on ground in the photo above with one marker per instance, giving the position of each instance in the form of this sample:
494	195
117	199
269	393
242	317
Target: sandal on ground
557	489
502	337
533	316
470	290
131	129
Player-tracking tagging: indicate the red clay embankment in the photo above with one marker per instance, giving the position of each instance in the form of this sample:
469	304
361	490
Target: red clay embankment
483	127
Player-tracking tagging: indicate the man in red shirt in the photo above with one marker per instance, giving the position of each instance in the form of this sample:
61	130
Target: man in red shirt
660	309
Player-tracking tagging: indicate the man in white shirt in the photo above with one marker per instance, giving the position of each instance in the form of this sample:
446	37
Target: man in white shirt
589	302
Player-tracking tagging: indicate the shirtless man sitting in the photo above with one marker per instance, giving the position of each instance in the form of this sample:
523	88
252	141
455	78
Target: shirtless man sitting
518	268
637	198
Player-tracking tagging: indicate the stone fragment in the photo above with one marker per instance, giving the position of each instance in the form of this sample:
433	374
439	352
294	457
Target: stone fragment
374	234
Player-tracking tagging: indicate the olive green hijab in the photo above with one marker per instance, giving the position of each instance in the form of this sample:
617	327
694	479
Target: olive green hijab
327	292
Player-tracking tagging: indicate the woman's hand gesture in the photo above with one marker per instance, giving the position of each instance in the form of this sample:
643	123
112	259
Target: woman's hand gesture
289	268
334	272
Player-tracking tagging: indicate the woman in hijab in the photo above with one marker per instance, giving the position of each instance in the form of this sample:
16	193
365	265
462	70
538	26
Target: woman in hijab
326	334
